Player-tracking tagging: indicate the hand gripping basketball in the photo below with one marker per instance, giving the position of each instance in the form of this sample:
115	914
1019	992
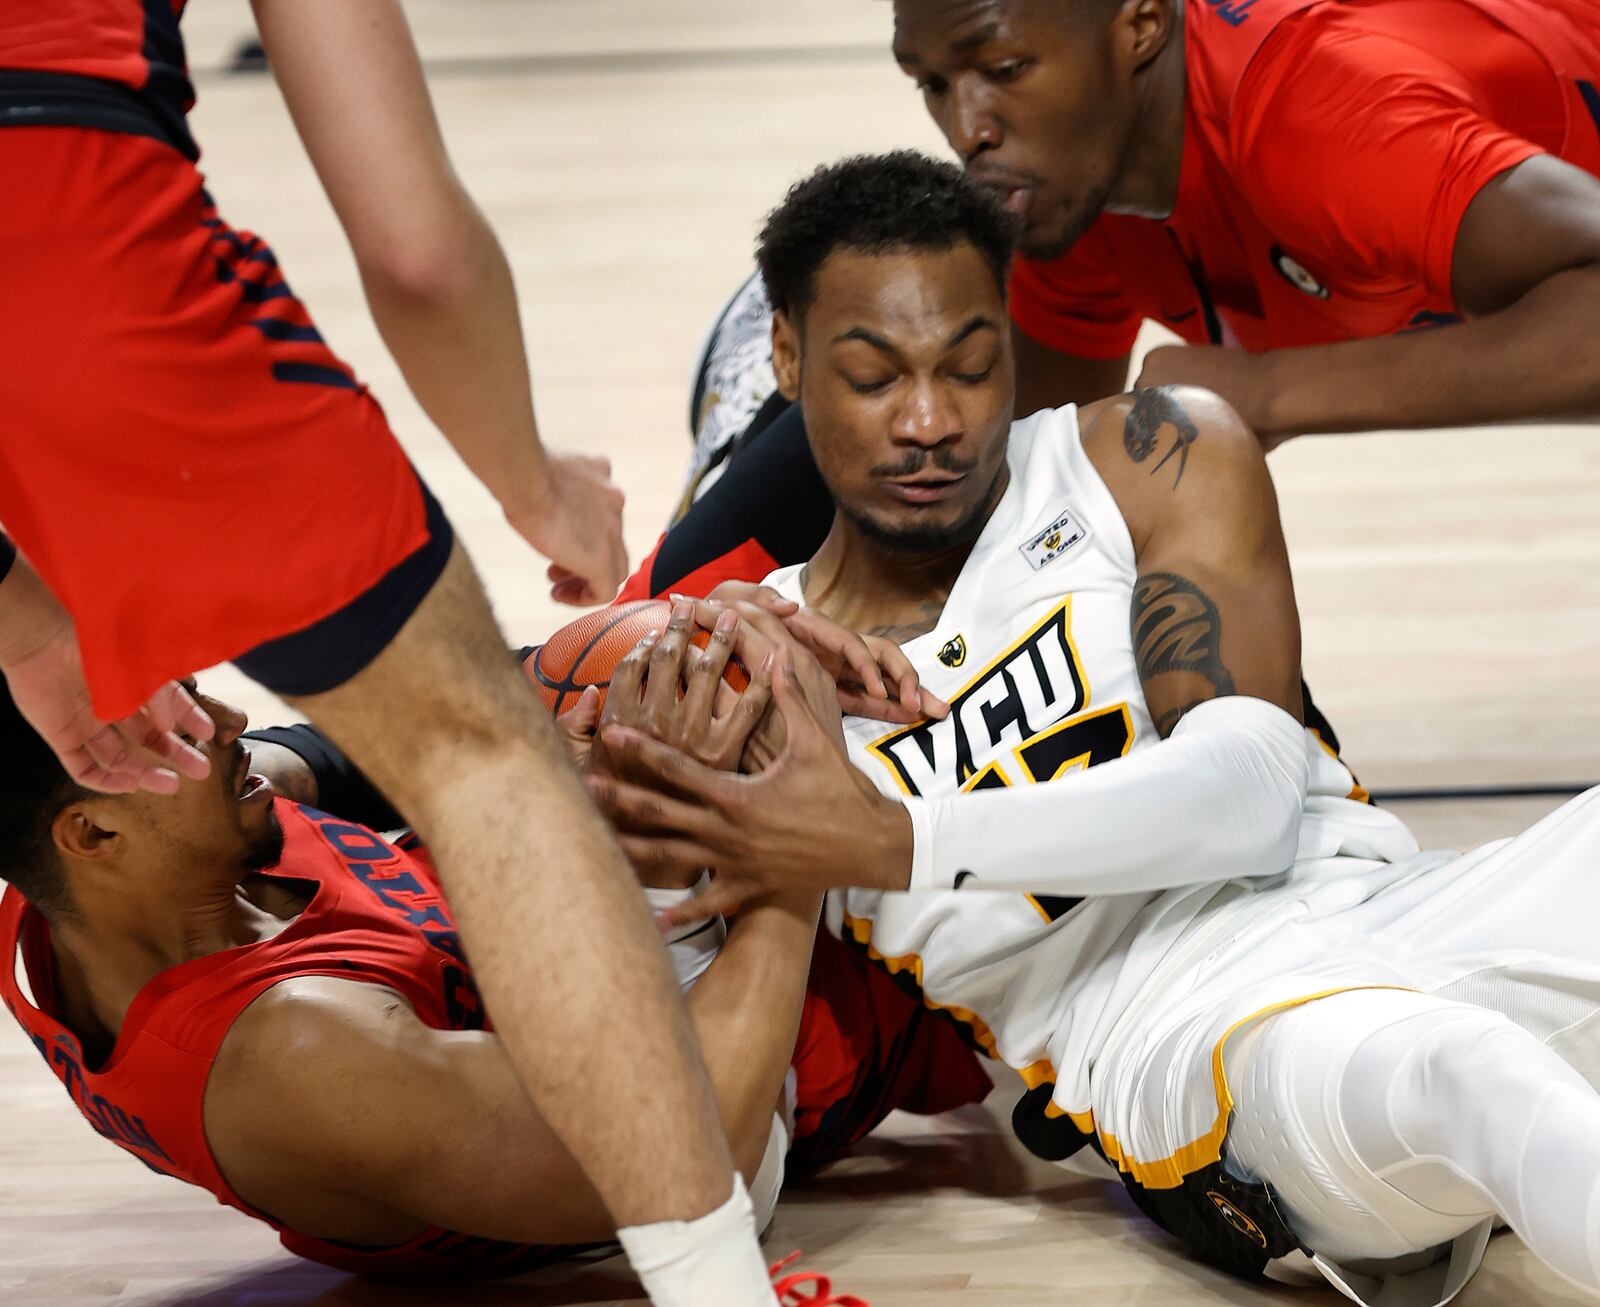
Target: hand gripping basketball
810	820
681	687
586	652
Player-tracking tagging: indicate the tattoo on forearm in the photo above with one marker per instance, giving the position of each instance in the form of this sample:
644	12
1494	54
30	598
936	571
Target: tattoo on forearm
1152	410
1177	630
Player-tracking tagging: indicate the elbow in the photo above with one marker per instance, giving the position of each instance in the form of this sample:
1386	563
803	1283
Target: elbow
434	267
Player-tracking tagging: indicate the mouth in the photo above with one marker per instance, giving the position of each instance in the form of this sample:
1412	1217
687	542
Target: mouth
1014	193
250	785
924	490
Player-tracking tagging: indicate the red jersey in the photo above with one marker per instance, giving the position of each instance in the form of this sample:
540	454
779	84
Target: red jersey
133	45
1330	150
376	914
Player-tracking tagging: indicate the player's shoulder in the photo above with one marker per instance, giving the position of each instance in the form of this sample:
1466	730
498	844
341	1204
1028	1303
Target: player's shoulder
1168	451
1129	422
306	1023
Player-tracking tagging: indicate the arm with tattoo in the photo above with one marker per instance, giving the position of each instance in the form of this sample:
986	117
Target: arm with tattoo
1213	610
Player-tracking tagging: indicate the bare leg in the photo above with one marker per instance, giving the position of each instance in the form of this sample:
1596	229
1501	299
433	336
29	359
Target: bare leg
568	958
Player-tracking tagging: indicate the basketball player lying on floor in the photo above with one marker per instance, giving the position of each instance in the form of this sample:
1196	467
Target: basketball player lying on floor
1288	1030
271	1002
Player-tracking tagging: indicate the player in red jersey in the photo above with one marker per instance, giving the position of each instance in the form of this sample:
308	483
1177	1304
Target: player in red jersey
1294	186
159	372
273	1003
1297	187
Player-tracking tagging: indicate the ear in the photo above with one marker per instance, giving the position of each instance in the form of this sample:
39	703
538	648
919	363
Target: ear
786	355
86	832
1142	29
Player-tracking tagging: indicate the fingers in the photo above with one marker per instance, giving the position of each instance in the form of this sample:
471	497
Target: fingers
694	714
746	715
724	896
762	596
666	671
660	858
575	592
855	703
117	765
897	670
932	705
649	759
790	700
82	767
838	648
175	708
624	698
580	721
635	810
150	745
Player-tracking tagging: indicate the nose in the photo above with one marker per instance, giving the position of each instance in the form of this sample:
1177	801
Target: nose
231	722
968	124
928	417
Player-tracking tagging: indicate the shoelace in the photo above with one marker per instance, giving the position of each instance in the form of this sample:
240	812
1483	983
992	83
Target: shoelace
821	1289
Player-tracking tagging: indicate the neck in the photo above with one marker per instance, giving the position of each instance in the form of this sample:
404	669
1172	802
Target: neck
868	589
106	952
1147	186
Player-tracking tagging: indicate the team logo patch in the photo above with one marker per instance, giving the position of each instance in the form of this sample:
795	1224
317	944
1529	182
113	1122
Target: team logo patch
1297	275
954	652
1237	1219
1047	545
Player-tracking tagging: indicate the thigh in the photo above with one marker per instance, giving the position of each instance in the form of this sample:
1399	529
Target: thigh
1288	1129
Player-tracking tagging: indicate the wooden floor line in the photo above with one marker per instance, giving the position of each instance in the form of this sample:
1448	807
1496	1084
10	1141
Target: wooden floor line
588	63
1530	790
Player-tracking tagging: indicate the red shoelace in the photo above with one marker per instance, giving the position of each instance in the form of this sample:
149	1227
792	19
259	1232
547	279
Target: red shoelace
820	1288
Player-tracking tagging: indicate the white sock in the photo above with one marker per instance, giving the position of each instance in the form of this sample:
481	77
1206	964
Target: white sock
712	1262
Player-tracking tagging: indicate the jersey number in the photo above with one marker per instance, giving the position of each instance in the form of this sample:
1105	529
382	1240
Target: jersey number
1085	741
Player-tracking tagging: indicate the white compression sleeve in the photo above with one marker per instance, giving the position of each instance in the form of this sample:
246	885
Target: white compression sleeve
1220	799
1461	1098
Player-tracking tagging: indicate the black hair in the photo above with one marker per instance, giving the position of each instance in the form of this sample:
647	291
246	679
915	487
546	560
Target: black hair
877	203
34	787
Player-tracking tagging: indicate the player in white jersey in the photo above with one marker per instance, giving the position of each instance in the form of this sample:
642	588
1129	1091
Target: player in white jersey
1206	956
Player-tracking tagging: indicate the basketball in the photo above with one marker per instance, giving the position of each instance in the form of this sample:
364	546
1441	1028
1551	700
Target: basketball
584	652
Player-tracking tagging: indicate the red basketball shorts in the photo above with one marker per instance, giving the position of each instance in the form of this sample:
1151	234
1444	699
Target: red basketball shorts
182	459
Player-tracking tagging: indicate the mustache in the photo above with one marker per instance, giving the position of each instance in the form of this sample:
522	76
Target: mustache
914	462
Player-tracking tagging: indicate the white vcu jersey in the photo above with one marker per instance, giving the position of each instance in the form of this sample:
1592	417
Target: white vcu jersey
1034	653
1116	1009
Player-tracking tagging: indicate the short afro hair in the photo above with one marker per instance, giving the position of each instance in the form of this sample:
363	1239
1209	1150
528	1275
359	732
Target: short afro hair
34	787
877	204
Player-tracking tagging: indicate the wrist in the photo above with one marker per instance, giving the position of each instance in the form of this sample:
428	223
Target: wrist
528	490
31	620
1262	406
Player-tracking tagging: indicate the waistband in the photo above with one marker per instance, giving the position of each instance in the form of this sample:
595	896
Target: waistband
35	98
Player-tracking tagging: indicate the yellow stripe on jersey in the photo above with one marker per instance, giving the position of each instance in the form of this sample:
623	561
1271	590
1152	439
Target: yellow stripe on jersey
1038	1073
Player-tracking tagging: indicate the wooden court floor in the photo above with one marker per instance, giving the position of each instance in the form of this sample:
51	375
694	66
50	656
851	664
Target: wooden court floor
626	149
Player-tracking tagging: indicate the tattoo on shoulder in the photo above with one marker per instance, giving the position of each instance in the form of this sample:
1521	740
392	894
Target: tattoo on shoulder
1141	429
1177	631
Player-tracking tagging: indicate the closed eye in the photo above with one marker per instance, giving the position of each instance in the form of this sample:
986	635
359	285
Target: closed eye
1008	71
868	387
973	378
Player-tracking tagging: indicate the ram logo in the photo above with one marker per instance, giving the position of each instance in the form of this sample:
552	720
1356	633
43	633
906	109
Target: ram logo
954	652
